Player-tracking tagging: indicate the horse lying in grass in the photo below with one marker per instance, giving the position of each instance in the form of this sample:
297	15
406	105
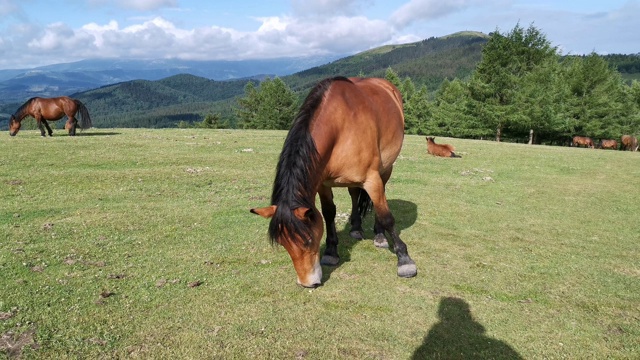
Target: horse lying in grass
444	150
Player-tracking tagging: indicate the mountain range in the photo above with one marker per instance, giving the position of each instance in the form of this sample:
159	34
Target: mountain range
163	93
63	79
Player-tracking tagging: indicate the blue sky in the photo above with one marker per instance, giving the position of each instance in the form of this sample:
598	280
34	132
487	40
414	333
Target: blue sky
41	32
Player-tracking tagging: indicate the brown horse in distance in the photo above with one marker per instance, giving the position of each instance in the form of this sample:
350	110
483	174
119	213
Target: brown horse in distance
608	144
444	150
629	143
348	133
51	109
582	141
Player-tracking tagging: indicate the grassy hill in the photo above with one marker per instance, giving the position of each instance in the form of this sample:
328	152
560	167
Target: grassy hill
138	243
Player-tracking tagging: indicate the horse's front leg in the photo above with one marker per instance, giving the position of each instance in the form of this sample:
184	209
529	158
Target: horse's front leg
46	124
40	126
379	239
330	256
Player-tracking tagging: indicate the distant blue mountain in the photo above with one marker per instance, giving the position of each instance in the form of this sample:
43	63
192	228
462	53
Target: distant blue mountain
17	85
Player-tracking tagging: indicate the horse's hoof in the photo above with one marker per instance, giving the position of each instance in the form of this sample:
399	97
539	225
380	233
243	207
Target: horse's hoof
380	241
357	234
407	270
329	260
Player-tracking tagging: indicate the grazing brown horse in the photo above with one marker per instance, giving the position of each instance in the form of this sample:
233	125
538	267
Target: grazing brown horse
629	142
582	141
51	109
444	150
608	144
348	133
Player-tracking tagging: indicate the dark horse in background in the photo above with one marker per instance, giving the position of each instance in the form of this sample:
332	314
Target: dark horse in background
629	143
608	144
582	141
52	109
348	133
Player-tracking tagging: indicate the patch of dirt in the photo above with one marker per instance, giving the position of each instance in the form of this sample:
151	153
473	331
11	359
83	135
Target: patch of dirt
16	182
13	344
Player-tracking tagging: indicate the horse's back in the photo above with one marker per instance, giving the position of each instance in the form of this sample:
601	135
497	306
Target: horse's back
362	125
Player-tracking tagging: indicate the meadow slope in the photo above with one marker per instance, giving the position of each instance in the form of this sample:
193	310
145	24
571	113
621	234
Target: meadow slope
139	243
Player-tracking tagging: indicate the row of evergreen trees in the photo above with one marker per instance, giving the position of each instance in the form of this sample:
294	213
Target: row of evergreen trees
522	90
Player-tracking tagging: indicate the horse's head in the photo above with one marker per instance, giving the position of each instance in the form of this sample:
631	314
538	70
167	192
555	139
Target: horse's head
303	249
14	126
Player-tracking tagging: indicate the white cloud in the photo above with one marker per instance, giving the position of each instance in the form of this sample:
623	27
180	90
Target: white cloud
160	38
420	10
146	5
312	27
311	8
8	7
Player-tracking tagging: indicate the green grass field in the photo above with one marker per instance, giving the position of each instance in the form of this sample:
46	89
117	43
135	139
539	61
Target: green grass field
126	243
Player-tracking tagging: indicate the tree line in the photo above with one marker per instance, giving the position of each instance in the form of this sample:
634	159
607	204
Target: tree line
522	90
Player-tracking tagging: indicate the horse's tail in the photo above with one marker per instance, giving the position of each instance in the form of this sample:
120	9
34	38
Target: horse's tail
85	122
364	203
453	155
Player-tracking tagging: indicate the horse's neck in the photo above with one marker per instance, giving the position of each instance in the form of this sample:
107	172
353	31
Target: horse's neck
20	115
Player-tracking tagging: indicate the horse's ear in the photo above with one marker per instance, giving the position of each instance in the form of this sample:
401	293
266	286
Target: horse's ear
302	212
265	212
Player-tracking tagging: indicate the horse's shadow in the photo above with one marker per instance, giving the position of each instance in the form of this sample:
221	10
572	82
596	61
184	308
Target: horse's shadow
405	214
459	336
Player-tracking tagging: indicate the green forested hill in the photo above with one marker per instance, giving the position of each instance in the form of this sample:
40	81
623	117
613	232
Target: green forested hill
161	103
426	62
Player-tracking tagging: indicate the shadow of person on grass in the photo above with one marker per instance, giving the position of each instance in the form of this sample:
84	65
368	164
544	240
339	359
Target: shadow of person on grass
458	336
404	212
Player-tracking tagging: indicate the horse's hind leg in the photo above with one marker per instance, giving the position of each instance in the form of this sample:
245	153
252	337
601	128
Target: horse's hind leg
356	218
330	256
406	266
71	125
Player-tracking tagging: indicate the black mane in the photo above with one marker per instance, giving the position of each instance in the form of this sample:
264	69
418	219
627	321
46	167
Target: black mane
299	160
18	114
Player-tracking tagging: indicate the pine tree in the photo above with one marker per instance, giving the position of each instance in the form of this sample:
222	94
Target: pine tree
505	68
272	106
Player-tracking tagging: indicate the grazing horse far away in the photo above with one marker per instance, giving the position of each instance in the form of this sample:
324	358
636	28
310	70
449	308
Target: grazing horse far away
582	141
51	109
444	150
608	144
629	143
348	133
